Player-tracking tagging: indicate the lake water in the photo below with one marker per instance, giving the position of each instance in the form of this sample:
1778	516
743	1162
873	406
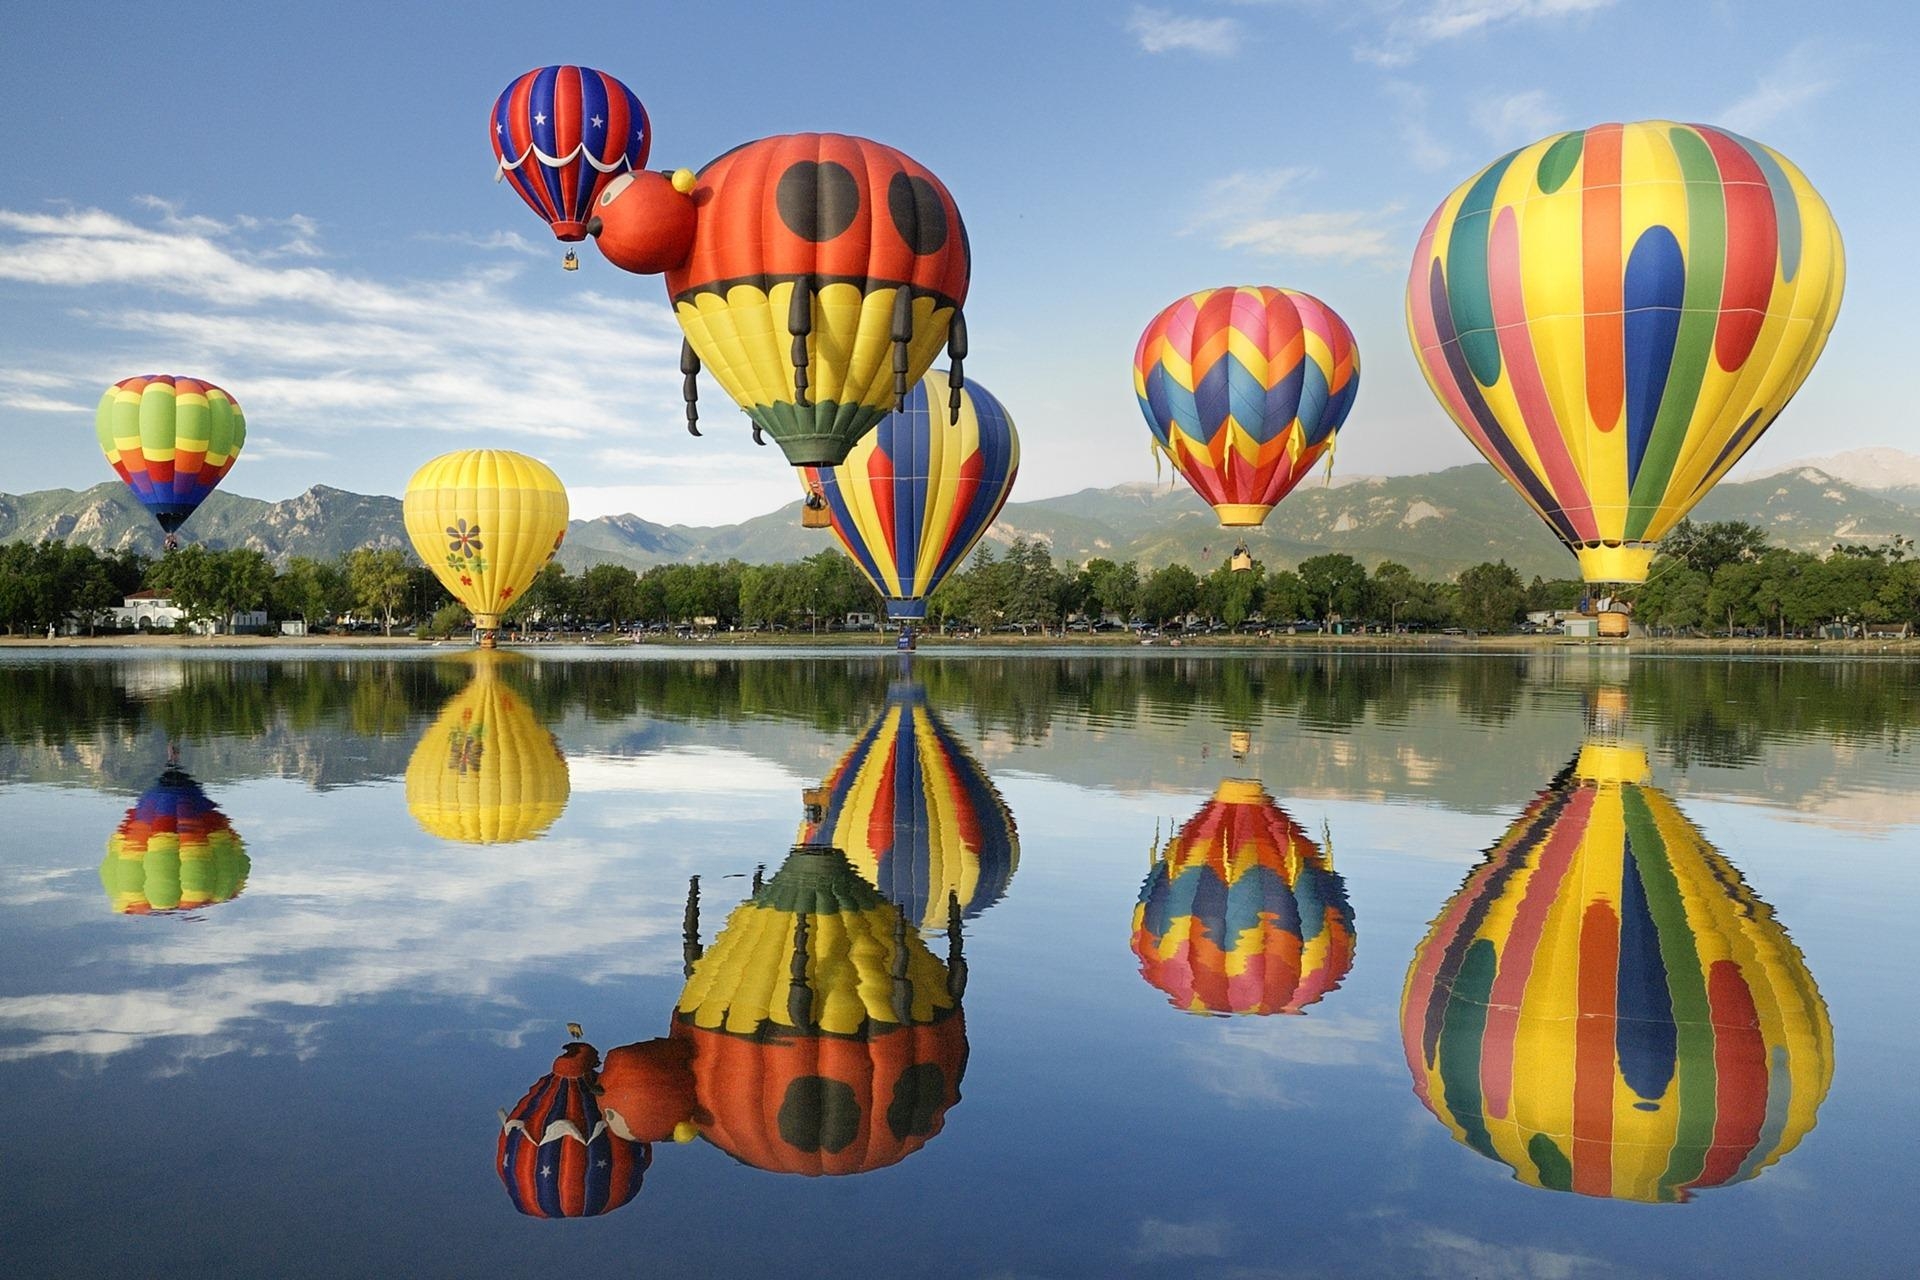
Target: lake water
1562	965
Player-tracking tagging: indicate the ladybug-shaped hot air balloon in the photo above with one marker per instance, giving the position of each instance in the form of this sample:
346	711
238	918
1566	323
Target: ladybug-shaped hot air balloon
818	1036
815	275
560	134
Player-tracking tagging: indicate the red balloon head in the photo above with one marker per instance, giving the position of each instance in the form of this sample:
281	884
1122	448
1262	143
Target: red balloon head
646	1089
643	221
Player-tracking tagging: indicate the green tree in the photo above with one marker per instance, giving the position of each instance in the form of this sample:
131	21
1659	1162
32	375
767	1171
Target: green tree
1284	597
378	582
190	578
1231	597
1675	596
552	597
1336	584
1170	593
1491	596
609	593
312	590
1708	548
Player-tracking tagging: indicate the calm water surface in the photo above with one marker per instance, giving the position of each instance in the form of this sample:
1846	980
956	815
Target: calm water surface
1036	966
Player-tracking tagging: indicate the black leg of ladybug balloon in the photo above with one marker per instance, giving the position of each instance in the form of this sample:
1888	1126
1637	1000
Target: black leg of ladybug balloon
757	437
759	877
956	951
902	334
690	949
799	325
956	357
799	995
690	385
902	986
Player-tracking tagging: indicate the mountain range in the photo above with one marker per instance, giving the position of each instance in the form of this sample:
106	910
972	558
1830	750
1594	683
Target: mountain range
1436	523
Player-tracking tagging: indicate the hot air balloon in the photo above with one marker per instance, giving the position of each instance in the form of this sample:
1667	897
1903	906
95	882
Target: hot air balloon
560	135
486	521
917	816
556	1156
1243	913
1614	315
818	1035
1245	389
916	494
487	771
172	440
174	851
1606	1008
815	275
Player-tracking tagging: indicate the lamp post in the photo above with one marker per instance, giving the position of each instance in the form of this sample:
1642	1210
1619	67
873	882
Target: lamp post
1393	610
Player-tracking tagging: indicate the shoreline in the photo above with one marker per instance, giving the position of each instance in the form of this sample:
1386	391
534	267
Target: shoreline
800	644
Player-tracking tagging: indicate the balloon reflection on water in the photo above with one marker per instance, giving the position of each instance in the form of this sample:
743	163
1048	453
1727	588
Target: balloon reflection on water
917	815
818	1035
1606	1008
1242	912
174	851
487	771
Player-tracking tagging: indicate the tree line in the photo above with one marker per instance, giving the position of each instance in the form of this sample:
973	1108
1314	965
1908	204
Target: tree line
1717	577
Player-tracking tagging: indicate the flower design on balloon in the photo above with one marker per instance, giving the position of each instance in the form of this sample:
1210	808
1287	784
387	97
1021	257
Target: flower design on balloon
464	539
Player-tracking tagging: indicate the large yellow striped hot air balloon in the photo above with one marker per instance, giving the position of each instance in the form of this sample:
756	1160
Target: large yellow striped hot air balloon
487	771
1606	1008
1614	315
486	521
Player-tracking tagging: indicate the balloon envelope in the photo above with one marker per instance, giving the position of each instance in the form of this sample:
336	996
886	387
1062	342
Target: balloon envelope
919	491
1606	1008
1245	389
171	439
1613	316
560	134
174	851
867	236
486	521
917	816
849	1068
556	1155
487	771
1243	913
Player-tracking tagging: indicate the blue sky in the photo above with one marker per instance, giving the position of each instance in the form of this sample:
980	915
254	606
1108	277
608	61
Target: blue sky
300	206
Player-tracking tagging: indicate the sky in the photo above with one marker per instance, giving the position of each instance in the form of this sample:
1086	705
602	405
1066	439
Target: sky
297	203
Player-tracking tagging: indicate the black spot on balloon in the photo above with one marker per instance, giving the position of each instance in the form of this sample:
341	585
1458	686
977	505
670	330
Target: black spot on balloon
818	199
818	1114
917	1098
917	213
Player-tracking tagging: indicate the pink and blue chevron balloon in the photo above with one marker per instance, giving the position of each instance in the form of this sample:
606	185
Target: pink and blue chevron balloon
1245	389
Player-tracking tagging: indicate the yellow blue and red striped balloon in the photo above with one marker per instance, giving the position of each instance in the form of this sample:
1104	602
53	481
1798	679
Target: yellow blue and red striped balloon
1243	913
1606	1008
917	815
1614	315
918	491
1245	389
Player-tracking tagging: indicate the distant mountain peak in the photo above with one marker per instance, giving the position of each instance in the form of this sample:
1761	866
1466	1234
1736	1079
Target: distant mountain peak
1878	468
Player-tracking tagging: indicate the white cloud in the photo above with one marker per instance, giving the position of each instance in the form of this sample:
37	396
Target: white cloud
1239	212
1425	150
1161	1239
1516	119
1346	235
1413	28
1803	76
1162	31
313	350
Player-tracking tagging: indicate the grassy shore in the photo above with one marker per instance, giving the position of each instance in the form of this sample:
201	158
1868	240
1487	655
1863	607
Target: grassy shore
1122	643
